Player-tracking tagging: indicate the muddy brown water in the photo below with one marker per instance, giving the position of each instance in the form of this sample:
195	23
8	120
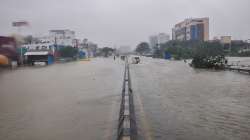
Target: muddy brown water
71	101
80	100
176	102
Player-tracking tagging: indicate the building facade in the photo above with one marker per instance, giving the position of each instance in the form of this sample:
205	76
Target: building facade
53	41
163	38
192	29
153	41
40	43
62	37
158	39
88	47
8	48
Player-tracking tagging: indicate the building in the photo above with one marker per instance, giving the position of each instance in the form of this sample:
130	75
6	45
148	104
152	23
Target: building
248	41
92	47
226	42
62	37
8	49
124	50
40	43
153	41
52	42
161	38
225	39
89	48
192	29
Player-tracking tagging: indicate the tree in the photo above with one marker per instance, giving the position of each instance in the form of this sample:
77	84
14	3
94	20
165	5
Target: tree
106	51
157	52
68	51
142	48
28	39
209	55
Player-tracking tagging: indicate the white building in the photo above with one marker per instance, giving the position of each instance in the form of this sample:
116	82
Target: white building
62	37
153	41
40	43
161	38
124	49
248	40
192	29
88	47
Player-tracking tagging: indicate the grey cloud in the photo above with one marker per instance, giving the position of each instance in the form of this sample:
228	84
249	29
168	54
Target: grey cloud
125	22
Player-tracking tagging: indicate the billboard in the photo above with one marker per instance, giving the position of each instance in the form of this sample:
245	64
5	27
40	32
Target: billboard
225	39
20	23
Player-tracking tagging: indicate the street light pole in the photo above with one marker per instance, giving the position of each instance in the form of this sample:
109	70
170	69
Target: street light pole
21	55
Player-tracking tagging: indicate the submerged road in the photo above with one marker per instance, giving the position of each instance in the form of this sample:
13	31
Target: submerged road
176	102
81	100
71	101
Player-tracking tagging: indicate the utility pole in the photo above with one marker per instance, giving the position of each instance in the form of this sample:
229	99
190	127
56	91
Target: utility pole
55	47
21	55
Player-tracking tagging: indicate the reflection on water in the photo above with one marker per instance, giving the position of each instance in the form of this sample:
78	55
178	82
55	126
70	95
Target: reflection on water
179	102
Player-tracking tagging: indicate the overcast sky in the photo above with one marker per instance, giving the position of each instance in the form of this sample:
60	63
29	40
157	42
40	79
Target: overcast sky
125	22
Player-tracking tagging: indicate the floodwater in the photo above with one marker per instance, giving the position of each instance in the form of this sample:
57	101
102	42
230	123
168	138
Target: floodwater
71	101
239	60
80	100
175	102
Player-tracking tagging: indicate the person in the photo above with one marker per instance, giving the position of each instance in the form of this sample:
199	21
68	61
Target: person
114	57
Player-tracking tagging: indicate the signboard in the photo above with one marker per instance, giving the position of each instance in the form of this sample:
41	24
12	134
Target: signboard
225	39
20	23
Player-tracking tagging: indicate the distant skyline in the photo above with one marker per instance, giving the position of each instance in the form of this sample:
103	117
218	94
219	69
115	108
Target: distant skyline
125	22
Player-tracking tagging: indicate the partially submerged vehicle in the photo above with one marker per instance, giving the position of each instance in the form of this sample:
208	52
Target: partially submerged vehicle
136	60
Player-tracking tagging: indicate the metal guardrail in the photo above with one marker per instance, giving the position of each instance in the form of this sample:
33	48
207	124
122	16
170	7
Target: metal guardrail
127	129
243	66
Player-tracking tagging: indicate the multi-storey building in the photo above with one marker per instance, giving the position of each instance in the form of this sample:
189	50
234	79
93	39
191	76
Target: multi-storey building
192	29
156	40
153	41
62	37
163	38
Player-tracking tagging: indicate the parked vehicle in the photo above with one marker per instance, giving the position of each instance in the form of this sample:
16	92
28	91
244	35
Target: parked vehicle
135	60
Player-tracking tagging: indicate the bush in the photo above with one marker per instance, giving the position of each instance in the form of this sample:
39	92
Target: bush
68	51
210	55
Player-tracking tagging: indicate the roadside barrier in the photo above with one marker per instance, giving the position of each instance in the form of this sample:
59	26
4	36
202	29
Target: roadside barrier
127	129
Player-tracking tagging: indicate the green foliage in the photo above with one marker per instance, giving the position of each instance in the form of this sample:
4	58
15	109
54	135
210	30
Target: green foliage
210	55
68	51
142	48
157	52
189	49
204	54
238	48
180	49
28	39
106	51
217	62
244	54
209	49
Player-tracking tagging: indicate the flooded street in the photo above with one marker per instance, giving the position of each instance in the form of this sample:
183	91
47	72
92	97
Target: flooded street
174	101
81	100
71	101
